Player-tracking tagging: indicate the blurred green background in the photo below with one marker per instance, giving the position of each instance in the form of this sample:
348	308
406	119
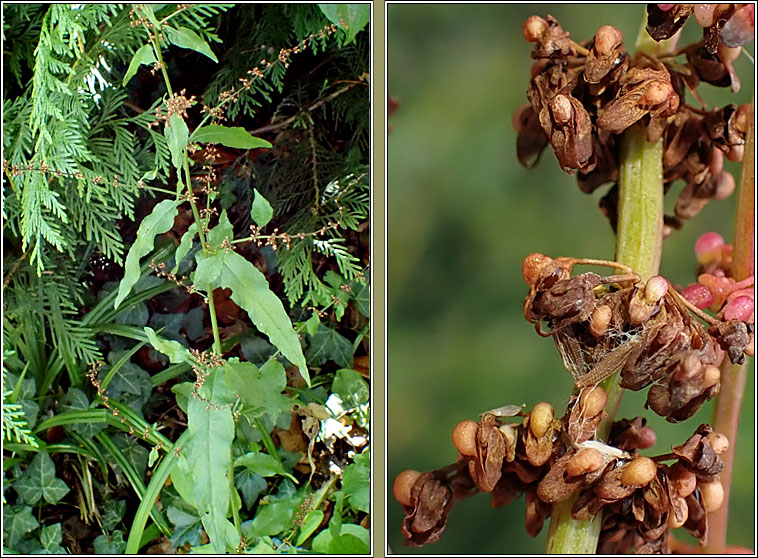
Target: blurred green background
462	215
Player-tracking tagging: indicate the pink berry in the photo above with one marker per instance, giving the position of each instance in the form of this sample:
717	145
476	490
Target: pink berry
740	28
740	308
708	243
698	295
665	7
704	14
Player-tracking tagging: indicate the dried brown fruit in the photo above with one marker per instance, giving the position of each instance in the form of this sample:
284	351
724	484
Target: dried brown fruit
531	139
536	512
733	336
605	55
426	519
586	460
541	418
554	486
711	495
663	24
639	471
401	487
485	466
682	480
642	91
697	455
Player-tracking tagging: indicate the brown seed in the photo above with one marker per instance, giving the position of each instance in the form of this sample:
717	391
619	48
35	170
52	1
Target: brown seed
600	320
711	495
639	472
606	39
656	288
724	186
540	419
464	437
735	153
682	480
711	376
656	93
678	513
743	117
719	442
534	27
592	400
560	107
401	488
584	461
532	266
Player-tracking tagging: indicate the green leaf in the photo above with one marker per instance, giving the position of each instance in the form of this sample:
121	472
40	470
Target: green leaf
158	222
184	246
250	485
355	483
18	521
310	523
353	539
188	528
260	389
175	351
351	388
153	456
209	451
131	386
349	17
144	55
75	399
222	231
311	326
263	464
251	292
39	481
112	544
327	344
186	38
261	211
230	136
177	136
114	513
51	537
181	479
272	518
362	297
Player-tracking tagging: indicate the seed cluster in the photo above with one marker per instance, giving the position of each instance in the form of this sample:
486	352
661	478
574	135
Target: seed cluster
581	96
647	330
550	459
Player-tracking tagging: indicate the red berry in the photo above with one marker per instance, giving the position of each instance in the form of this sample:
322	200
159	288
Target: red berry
707	245
740	308
698	295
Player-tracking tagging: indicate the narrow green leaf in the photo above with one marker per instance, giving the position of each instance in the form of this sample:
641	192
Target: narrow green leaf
230	136
158	222
184	246
175	351
144	55
349	17
209	451
251	292
310	523
261	211
263	464
177	135
187	38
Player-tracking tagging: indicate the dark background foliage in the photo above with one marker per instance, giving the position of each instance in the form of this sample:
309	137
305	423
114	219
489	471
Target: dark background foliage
462	215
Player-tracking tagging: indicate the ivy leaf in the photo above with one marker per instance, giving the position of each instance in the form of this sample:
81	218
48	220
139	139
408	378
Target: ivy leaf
114	512
260	389
351	388
186	38
175	351
349	17
261	211
362	297
39	481
262	463
132	450
75	399
212	430
144	55
355	483
251	292
230	136
112	544
327	344
131	385
177	136
188	528
250	485
160	220
18	521
51	537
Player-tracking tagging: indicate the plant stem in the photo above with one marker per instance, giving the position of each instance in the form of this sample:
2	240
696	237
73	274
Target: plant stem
639	236
726	411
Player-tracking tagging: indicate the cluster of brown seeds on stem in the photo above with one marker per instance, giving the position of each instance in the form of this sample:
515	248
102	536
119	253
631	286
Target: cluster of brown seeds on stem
44	168
582	96
93	370
647	330
162	271
550	459
204	364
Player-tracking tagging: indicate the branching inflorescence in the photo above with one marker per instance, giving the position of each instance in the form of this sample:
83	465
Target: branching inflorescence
582	97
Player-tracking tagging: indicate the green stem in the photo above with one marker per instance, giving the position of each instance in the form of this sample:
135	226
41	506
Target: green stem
639	236
267	440
726	411
235	499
